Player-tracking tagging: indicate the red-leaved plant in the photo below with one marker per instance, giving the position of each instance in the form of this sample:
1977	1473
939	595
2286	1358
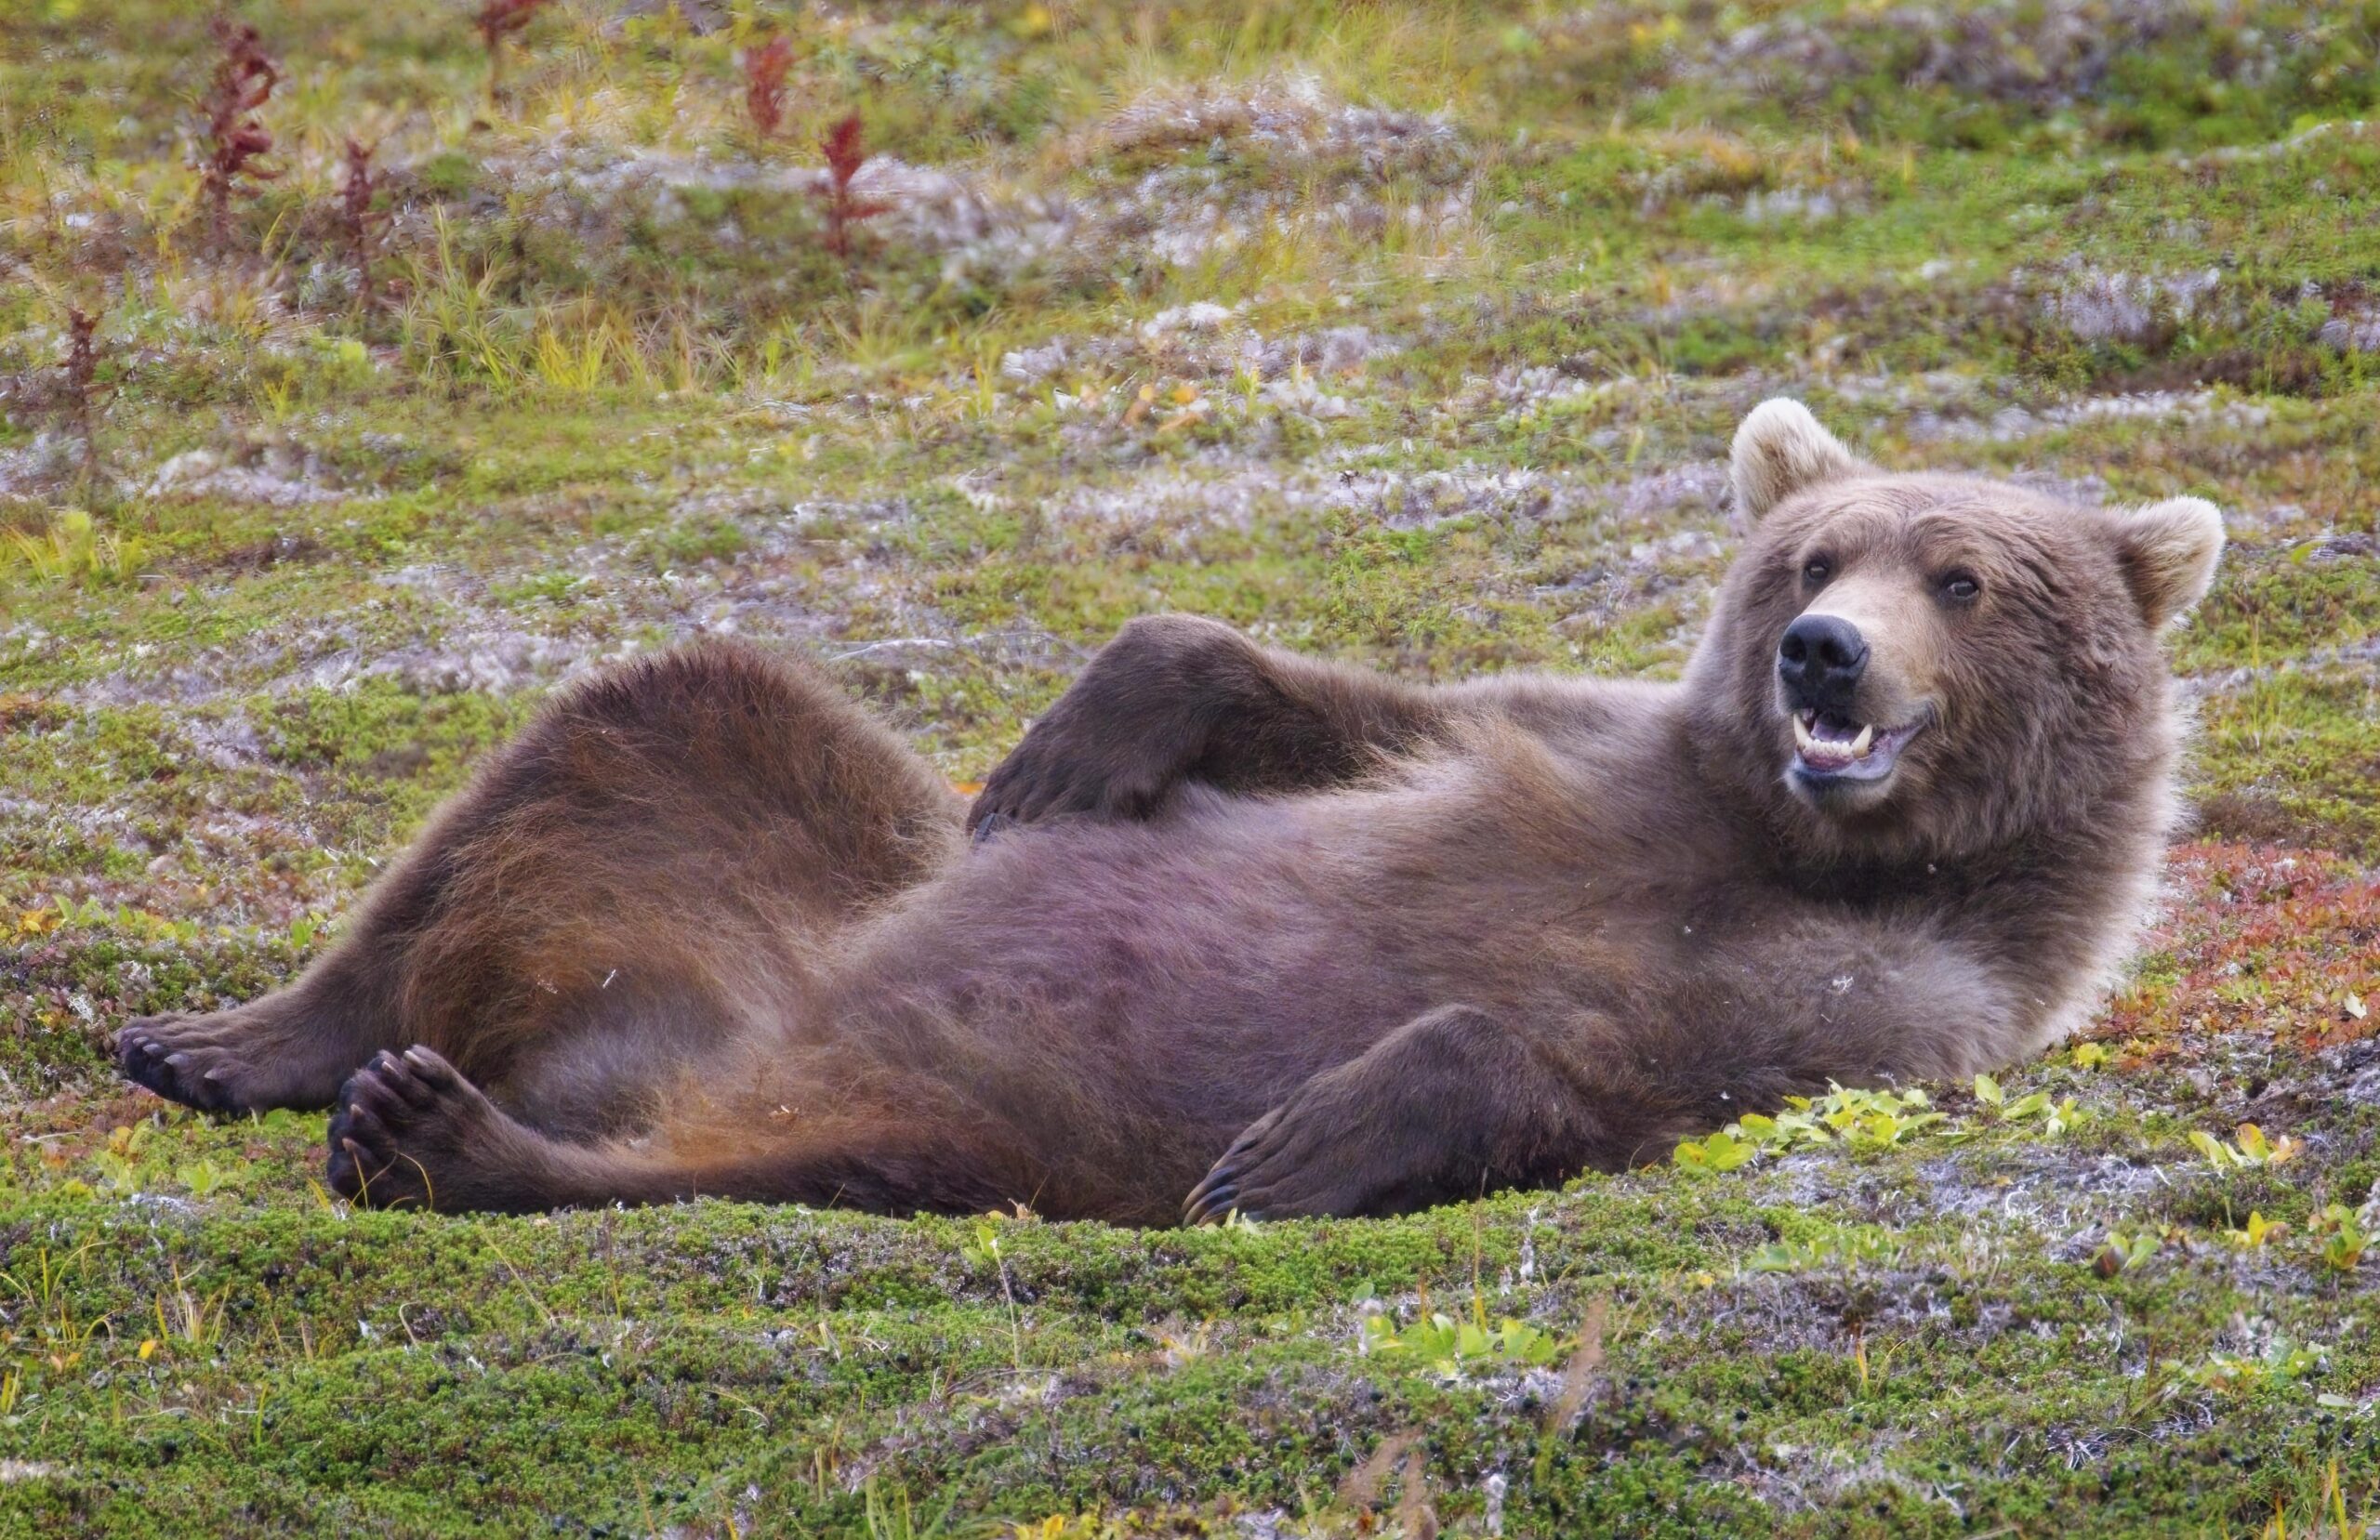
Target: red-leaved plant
498	20
764	71
360	224
234	137
845	154
80	394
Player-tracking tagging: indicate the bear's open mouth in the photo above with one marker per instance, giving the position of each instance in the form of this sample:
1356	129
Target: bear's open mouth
1828	748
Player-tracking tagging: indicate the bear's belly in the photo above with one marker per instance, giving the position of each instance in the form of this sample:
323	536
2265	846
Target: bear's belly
1176	981
1194	971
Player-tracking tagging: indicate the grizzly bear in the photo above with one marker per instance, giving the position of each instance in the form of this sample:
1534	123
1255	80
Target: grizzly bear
1235	930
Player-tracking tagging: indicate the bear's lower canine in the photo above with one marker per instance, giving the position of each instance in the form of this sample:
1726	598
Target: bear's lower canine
1243	931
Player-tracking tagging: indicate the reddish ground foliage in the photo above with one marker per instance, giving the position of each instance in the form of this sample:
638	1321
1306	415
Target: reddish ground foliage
2255	936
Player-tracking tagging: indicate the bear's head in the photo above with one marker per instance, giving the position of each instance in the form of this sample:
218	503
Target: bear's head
1923	666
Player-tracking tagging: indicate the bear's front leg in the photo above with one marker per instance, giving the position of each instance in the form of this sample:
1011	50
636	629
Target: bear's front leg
1174	699
1451	1105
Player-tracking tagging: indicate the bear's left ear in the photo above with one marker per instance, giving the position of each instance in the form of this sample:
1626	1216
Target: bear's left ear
1779	450
2168	552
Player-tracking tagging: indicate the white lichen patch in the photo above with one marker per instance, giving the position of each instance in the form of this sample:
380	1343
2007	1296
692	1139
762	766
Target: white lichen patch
276	474
2100	304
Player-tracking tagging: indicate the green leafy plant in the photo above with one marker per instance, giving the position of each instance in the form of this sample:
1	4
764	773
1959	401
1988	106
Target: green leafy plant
1846	1248
2057	1117
1861	1119
204	1179
120	1162
2122	1252
2343	1236
986	1252
2253	1236
1724	1150
1452	1347
2282	1362
2249	1147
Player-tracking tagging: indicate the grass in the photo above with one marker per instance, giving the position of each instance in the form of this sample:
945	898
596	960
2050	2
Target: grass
1409	334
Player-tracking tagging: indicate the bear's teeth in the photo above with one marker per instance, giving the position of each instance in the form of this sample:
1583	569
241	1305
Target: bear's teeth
1802	739
1859	745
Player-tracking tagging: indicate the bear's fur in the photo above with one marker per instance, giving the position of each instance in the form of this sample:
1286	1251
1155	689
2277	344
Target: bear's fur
1281	936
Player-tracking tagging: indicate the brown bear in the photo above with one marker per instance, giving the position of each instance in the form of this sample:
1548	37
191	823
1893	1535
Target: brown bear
1242	931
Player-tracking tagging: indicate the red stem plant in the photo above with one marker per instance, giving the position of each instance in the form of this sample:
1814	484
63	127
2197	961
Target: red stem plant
845	154
764	71
360	223
496	21
234	137
81	395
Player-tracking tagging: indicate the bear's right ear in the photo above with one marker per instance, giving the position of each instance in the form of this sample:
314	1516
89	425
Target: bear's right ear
1779	450
2168	551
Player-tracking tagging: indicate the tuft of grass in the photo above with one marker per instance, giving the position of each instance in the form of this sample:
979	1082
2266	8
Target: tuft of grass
75	549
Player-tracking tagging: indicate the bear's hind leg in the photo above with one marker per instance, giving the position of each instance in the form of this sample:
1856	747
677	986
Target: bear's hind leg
655	866
294	1046
412	1131
273	1052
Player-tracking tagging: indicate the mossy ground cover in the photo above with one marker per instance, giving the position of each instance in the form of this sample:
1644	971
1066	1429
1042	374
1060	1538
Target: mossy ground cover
1406	333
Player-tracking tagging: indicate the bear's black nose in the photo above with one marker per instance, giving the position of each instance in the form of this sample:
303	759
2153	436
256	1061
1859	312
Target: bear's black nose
1820	661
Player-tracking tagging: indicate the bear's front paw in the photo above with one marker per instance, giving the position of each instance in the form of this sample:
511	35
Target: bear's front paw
408	1130
1048	777
1315	1155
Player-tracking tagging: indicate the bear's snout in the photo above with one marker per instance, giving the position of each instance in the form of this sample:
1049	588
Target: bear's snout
1820	661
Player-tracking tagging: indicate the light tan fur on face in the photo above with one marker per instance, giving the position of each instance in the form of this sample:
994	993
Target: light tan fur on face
1886	601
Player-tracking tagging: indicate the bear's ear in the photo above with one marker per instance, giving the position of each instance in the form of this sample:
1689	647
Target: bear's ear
1779	450
2168	552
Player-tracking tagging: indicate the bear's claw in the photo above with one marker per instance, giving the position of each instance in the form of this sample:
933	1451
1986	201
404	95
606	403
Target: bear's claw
404	1121
199	1076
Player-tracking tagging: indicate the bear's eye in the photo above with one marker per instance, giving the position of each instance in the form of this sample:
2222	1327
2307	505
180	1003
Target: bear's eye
1816	569
1961	588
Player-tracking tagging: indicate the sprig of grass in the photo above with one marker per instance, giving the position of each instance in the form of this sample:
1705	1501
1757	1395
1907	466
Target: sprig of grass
75	548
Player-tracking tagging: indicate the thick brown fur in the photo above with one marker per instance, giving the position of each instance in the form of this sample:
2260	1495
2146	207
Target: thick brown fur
1244	930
